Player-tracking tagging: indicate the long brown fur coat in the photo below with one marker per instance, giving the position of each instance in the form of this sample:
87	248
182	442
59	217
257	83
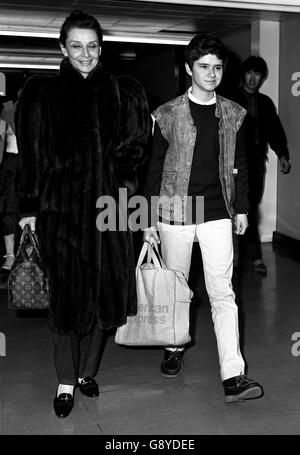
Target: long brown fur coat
79	139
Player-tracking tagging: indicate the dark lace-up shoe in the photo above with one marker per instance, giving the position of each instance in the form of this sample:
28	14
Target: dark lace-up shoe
89	387
63	404
171	364
241	388
259	267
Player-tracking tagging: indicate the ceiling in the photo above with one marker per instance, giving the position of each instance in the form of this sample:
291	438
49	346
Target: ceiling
129	21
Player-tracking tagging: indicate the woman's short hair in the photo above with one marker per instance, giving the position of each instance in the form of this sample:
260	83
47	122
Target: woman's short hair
202	45
79	19
256	64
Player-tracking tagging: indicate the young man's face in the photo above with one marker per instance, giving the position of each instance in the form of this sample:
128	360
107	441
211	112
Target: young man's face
252	80
206	75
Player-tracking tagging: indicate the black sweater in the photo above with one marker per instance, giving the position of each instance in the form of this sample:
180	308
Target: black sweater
204	178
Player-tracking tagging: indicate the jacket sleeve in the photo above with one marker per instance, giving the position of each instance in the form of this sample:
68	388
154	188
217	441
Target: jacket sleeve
153	177
275	133
242	188
31	129
155	166
135	126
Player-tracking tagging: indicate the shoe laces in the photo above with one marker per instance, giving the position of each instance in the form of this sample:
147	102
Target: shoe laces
64	396
86	380
243	379
177	355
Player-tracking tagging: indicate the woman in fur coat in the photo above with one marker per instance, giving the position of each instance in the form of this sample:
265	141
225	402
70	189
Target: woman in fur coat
81	135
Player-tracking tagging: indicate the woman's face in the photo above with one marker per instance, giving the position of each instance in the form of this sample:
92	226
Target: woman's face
82	49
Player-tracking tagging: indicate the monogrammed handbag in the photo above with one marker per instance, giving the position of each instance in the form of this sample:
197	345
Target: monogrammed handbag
163	299
28	286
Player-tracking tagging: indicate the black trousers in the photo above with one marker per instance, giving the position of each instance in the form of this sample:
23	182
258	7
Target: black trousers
252	235
257	172
77	356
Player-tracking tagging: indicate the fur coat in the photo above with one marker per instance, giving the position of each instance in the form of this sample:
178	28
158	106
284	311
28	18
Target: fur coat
79	139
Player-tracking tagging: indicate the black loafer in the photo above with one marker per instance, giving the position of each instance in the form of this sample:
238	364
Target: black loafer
171	363
89	387
63	404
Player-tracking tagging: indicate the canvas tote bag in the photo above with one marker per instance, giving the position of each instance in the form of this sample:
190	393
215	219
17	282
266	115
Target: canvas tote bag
163	301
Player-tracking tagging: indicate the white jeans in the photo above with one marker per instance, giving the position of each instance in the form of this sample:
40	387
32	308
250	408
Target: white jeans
215	241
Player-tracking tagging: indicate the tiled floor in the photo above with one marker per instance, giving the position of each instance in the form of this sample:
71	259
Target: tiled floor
136	400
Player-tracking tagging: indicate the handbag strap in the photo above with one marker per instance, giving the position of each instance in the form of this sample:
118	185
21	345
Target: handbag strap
152	256
28	234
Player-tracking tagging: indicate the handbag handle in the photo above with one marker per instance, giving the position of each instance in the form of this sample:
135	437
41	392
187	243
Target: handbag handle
27	233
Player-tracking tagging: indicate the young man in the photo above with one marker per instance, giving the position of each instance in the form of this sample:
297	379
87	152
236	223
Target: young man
198	150
262	127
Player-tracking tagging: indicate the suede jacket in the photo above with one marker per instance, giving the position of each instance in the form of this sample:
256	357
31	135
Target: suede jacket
177	127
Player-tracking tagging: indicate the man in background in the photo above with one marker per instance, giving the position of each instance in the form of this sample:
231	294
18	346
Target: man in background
262	129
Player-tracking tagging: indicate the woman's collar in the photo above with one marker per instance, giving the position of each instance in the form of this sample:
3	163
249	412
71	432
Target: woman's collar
66	69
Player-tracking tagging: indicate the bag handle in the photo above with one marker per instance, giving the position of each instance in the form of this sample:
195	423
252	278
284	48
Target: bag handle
27	233
152	256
